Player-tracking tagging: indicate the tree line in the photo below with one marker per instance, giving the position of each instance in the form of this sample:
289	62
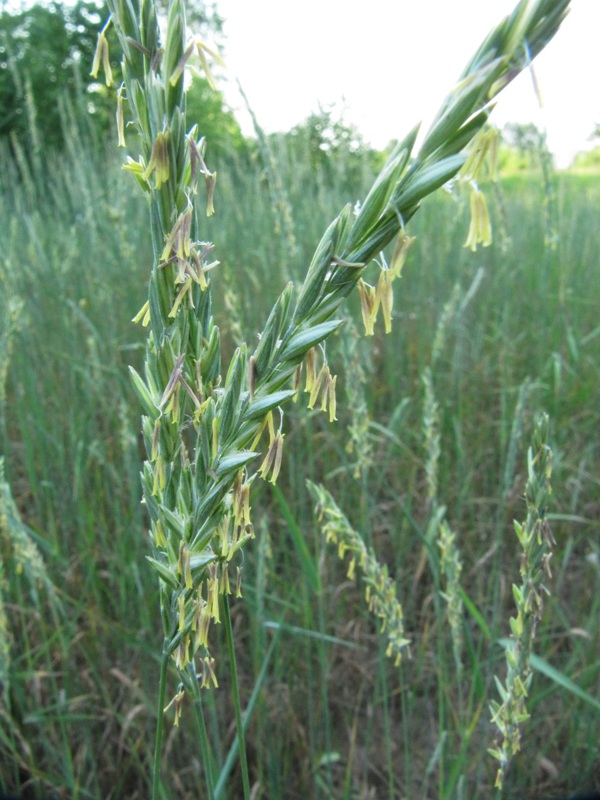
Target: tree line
46	53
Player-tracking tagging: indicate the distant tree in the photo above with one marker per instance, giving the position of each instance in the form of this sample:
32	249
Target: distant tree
525	137
524	147
330	143
215	120
587	161
46	52
202	18
45	56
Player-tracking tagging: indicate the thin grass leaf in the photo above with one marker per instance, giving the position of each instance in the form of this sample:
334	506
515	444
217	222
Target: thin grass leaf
309	570
556	676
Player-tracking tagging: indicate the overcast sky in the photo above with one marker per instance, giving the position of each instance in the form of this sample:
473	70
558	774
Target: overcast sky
391	62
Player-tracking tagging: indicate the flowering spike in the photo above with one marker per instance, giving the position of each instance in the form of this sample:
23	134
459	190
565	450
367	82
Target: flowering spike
183	350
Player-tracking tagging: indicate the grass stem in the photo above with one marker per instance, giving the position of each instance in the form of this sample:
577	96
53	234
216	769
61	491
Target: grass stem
236	697
208	761
160	722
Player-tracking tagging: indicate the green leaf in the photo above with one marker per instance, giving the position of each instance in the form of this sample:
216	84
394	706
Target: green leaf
144	394
278	319
174	48
501	689
460	105
518	595
164	572
173	520
309	570
262	405
465	134
560	679
476	614
232	400
317	271
425	181
378	197
233	461
300	343
294	630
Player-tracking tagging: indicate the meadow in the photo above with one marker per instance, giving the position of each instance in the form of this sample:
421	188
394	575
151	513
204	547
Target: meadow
502	333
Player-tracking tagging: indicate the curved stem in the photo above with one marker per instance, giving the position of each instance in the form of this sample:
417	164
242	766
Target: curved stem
236	699
160	723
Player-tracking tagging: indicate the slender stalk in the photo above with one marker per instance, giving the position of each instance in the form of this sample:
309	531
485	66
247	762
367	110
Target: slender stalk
236	697
207	756
536	540
258	684
385	705
160	722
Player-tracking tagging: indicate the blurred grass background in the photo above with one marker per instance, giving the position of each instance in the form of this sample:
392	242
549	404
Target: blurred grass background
333	718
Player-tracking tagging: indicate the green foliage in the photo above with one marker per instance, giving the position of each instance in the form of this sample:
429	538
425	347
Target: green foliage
46	53
202	17
206	108
588	161
326	140
524	148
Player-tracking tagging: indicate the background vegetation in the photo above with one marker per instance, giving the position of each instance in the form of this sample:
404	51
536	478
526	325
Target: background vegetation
332	717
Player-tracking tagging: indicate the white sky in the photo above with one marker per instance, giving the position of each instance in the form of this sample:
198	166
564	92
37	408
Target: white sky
391	63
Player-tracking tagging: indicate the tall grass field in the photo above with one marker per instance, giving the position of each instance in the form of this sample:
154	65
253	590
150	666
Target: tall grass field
427	461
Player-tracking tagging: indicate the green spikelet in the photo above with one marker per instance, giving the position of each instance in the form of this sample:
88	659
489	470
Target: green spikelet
451	567
431	434
535	539
380	589
18	550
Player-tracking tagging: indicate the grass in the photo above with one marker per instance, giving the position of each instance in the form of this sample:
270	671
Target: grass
81	711
332	717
